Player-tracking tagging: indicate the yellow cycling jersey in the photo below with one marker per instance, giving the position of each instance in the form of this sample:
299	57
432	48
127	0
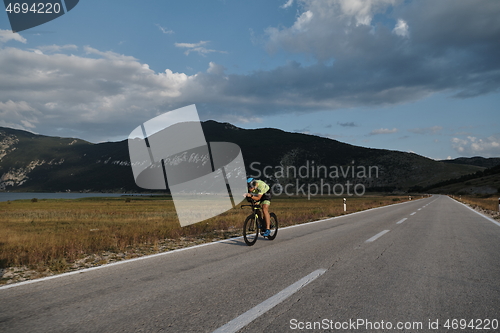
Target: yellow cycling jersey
261	187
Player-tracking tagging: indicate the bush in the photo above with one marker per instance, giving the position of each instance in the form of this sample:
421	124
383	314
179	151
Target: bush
34	200
58	265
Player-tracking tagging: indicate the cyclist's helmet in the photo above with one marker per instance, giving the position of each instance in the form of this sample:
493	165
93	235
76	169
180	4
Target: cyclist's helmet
250	182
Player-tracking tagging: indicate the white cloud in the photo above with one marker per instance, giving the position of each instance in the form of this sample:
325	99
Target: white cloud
213	68
459	145
197	47
361	10
56	48
109	54
289	3
6	35
84	94
303	21
164	30
427	130
384	131
447	50
104	93
473	146
329	28
18	115
401	28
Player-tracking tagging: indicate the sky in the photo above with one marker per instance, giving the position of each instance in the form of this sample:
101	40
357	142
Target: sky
414	76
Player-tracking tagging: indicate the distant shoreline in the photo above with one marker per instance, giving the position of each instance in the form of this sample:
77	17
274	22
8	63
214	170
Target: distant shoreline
11	196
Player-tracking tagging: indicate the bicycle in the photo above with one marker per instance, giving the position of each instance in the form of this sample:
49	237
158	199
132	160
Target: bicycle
255	223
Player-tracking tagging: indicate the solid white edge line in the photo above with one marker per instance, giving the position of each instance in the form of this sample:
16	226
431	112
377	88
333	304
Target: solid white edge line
346	215
112	264
478	213
374	238
246	318
401	221
18	284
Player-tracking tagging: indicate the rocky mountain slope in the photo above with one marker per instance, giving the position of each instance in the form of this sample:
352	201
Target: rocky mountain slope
30	162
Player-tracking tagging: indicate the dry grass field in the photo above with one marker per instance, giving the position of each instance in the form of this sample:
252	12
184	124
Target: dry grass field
50	236
489	203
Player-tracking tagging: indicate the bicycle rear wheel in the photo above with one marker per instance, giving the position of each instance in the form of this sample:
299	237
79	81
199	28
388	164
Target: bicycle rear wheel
273	227
250	230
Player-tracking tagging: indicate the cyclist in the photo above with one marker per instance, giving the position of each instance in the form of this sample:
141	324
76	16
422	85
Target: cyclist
259	191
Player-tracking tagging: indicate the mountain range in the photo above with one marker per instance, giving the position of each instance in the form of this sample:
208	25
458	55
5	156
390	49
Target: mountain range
37	163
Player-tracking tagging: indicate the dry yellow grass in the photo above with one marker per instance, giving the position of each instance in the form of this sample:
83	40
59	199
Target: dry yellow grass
489	203
48	235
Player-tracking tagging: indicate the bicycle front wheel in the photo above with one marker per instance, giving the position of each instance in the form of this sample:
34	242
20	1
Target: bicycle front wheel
273	227
250	230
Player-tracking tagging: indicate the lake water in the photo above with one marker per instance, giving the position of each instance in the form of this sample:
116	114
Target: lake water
10	196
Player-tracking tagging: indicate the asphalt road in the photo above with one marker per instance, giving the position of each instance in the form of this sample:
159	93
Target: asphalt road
408	267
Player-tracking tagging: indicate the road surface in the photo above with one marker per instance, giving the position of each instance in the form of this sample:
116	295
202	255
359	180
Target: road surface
411	267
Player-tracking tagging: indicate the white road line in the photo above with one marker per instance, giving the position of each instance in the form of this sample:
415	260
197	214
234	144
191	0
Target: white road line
114	264
401	221
374	238
478	213
246	318
413	213
419	209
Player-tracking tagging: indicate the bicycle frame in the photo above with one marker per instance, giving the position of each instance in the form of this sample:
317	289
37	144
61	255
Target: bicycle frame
250	235
256	209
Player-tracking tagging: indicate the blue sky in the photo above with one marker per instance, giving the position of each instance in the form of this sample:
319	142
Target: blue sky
420	76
